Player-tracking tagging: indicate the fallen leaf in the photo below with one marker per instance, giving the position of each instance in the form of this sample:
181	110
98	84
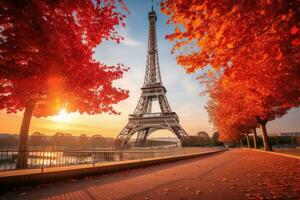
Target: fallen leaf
198	192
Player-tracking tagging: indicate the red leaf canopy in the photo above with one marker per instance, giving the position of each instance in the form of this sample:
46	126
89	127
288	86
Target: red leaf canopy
46	55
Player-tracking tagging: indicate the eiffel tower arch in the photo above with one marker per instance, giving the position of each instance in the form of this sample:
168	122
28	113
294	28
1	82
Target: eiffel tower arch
143	121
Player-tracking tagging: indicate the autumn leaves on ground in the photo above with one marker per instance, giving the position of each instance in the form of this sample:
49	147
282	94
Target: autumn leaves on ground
247	51
234	174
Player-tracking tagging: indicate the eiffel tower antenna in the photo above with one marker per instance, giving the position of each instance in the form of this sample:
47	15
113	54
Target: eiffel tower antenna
153	3
152	6
143	121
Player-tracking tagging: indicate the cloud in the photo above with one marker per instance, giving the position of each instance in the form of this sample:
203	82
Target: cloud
128	39
190	86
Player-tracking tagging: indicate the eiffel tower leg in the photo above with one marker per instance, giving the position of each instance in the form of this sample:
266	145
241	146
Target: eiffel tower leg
141	138
125	135
179	131
176	128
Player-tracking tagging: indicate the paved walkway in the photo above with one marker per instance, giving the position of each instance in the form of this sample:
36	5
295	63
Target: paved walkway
235	174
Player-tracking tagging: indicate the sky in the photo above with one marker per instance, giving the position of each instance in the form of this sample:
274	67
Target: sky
182	89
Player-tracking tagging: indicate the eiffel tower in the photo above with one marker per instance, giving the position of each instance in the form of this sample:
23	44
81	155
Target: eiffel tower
143	121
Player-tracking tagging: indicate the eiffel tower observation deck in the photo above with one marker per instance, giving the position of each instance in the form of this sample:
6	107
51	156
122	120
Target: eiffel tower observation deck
143	121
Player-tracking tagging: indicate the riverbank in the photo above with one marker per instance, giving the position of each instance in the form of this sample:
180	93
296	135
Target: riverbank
27	177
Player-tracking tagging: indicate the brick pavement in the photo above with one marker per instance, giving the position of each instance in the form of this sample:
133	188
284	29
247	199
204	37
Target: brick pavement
235	174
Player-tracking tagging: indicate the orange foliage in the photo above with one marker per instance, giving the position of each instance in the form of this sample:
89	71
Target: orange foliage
253	47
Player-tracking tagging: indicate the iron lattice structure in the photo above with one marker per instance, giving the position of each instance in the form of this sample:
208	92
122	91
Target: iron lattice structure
143	121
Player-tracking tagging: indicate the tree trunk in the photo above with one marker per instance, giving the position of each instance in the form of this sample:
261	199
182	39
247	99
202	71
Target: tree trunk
276	139
248	142
23	136
293	138
267	146
241	143
255	138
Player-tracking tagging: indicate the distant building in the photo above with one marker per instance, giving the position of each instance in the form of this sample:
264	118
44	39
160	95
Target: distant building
285	134
6	135
203	134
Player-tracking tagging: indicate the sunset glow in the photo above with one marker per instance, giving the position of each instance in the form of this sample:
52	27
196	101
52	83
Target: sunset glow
63	116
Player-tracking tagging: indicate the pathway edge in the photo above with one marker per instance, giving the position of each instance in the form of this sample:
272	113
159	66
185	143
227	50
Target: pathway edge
17	180
275	153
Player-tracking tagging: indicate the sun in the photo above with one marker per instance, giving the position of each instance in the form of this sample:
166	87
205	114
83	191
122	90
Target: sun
62	116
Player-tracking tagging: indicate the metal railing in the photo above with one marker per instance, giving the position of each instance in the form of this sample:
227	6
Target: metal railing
51	157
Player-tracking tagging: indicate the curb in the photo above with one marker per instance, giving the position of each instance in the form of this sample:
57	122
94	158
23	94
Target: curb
275	153
19	178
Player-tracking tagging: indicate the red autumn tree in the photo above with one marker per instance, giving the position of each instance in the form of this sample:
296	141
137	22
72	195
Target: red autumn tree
46	59
247	102
250	47
227	113
238	102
